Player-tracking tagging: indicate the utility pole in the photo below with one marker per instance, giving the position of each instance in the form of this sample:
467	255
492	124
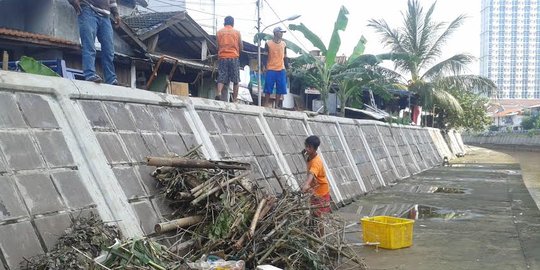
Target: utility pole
215	18
259	52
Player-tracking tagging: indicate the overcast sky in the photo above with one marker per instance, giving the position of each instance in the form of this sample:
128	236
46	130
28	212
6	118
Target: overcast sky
319	16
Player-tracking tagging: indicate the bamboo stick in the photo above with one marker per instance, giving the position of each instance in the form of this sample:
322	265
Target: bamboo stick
5	61
177	223
354	259
269	204
273	231
271	249
180	162
256	218
209	181
214	190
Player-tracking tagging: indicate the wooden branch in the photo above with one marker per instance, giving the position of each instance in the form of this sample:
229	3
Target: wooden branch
256	218
269	204
195	191
181	162
216	189
273	231
354	259
177	223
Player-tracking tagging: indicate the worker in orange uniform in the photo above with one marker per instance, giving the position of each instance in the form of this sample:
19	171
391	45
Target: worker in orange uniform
316	182
230	44
275	67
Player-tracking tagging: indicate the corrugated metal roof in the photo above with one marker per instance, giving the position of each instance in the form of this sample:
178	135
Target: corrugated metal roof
35	38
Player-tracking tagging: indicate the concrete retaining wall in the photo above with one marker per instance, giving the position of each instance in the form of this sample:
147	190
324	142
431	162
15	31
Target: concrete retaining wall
505	139
68	148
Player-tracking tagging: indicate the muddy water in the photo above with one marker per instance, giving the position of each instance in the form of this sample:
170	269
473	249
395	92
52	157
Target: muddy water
529	163
530	169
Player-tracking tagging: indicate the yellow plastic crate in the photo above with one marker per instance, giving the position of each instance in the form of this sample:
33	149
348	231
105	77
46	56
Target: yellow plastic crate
390	232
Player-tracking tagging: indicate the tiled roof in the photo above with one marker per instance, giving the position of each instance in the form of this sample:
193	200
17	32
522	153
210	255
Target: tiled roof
522	103
148	21
34	38
508	112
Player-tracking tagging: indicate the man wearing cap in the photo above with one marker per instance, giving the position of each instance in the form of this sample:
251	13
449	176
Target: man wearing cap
229	46
95	21
275	67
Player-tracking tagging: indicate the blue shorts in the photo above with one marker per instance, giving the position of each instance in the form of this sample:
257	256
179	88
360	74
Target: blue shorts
277	78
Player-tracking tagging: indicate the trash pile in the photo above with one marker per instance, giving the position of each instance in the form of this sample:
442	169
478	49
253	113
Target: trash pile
83	240
221	220
219	211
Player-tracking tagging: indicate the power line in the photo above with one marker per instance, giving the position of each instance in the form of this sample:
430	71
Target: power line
200	11
292	33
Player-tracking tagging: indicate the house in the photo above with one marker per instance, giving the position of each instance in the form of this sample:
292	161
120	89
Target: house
186	51
45	30
508	113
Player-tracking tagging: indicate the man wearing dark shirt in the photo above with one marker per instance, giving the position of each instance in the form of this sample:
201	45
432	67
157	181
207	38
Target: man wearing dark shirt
94	21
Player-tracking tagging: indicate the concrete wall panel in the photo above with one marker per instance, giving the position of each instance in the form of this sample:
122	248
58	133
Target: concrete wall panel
69	148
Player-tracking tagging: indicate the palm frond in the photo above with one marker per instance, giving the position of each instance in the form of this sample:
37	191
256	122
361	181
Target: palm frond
454	65
437	44
390	37
446	100
468	83
412	22
426	34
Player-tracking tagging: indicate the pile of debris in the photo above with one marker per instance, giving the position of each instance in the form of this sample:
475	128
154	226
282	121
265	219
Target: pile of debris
219	211
83	240
221	220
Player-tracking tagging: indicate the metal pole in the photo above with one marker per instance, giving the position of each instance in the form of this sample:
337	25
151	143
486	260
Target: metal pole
259	52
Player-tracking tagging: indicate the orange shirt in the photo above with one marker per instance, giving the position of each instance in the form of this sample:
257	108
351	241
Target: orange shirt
316	167
276	55
228	40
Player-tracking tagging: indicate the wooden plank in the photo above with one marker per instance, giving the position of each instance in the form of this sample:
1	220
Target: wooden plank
5	60
131	37
152	43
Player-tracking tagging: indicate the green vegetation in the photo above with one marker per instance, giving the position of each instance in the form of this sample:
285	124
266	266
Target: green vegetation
531	122
416	47
443	87
473	115
346	77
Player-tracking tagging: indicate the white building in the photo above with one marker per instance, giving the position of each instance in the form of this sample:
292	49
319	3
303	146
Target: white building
510	47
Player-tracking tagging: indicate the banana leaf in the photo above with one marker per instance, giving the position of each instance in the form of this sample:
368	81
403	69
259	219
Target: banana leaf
30	65
335	40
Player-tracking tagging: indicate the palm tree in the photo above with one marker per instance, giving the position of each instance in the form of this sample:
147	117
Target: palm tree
416	47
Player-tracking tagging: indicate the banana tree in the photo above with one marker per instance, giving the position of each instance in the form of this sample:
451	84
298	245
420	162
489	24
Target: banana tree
320	72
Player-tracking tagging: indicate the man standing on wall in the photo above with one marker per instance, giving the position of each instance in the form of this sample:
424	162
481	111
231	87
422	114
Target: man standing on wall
94	21
275	67
230	44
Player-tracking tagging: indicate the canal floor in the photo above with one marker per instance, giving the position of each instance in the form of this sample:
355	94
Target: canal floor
476	214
